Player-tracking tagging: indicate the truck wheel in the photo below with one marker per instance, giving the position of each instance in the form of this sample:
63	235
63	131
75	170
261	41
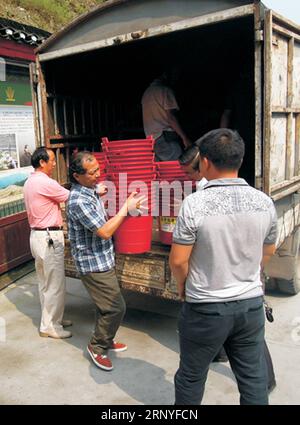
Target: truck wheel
289	287
283	269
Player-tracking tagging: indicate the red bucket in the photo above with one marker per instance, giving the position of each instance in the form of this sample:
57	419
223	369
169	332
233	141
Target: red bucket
134	235
132	175
134	166
126	147
149	139
167	223
166	228
136	157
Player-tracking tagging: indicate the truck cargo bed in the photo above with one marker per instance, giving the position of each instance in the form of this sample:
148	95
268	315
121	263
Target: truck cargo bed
147	273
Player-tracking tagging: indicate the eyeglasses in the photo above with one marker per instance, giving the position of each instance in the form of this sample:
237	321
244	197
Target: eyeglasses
93	172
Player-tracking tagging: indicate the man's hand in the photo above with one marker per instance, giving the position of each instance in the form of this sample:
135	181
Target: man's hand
179	264
268	252
181	291
135	204
101	189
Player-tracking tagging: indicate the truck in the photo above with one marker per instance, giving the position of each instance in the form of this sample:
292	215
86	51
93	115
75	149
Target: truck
88	80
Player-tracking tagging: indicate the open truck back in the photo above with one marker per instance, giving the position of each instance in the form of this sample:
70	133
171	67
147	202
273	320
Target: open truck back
89	79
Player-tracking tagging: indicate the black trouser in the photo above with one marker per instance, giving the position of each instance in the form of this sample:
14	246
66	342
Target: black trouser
268	360
269	366
203	329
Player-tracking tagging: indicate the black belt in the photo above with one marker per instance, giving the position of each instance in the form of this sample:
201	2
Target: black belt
49	228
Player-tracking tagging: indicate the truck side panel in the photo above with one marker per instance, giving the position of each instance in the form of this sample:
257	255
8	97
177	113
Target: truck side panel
282	107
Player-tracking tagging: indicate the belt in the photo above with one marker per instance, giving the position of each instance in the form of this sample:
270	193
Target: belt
49	228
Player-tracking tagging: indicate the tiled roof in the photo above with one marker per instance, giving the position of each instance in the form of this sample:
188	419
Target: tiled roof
25	34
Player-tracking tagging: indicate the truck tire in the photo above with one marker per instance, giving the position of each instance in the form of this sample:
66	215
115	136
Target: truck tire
292	286
283	270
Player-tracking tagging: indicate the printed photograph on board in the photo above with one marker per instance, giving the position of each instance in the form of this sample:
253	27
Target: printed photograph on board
26	146
8	152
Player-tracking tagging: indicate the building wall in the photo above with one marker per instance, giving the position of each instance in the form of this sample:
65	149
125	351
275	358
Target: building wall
17	142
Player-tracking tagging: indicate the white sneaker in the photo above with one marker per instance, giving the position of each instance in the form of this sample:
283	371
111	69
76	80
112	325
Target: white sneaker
61	334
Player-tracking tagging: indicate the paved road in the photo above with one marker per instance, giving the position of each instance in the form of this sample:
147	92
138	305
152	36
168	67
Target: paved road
38	370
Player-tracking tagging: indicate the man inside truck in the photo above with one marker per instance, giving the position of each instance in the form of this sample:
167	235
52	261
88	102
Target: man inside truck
224	234
90	235
160	117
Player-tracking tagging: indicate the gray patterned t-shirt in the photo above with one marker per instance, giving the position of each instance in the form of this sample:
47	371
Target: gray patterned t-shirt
228	223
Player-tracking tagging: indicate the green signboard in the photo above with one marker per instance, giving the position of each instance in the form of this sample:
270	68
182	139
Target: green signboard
15	94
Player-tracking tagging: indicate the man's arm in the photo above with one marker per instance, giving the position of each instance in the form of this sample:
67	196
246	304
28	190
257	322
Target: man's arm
173	122
179	264
268	252
109	228
55	191
95	221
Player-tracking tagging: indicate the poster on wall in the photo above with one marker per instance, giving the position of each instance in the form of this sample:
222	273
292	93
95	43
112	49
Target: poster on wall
17	140
16	117
19	121
17	143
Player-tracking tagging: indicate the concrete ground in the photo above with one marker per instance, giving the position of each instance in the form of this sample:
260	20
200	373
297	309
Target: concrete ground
37	370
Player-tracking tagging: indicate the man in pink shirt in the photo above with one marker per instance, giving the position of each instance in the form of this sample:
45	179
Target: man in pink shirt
43	196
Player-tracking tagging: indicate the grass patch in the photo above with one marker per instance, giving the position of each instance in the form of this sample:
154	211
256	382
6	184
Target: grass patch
50	15
54	9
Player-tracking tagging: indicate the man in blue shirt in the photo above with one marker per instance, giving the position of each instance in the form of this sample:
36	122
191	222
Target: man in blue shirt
90	235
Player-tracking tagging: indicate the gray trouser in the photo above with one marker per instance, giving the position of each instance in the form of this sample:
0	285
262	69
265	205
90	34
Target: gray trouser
105	291
203	329
168	147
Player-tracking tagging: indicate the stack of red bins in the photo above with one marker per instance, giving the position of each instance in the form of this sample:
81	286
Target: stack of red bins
102	160
130	166
169	203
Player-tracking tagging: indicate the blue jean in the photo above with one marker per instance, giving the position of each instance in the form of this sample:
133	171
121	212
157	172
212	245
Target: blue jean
203	329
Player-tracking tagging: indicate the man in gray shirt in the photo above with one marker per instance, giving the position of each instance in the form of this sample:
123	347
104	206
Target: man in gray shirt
223	235
160	110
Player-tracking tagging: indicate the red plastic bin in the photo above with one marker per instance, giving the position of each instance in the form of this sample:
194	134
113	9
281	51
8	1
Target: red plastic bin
134	235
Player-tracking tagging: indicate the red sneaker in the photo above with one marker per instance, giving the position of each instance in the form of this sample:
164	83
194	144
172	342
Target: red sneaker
100	360
118	347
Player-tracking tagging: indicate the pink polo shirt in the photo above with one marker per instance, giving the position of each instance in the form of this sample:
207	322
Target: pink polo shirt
42	197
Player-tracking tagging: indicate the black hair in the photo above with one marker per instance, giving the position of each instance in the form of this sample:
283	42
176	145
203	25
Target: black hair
223	147
39	154
76	165
190	157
